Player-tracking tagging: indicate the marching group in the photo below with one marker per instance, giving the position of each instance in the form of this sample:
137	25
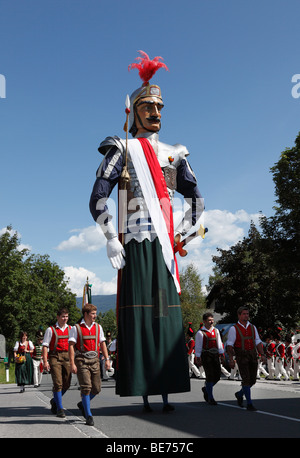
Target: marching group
283	358
247	356
64	350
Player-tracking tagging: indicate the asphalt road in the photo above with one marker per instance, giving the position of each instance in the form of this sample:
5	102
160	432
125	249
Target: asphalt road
278	415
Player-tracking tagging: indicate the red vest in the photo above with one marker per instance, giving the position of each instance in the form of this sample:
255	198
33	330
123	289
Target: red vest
88	340
245	338
209	339
270	350
280	350
289	351
191	346
60	339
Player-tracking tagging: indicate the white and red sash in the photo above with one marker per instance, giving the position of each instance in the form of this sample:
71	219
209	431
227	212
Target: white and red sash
157	199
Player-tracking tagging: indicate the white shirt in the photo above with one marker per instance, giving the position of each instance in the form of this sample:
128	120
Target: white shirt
30	345
199	341
49	332
232	334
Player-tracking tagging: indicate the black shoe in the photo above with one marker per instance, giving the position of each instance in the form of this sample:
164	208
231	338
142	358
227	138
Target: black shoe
168	408
239	399
53	406
205	394
147	408
251	408
89	421
80	407
212	402
61	413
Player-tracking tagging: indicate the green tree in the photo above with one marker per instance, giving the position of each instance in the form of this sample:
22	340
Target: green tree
283	232
32	289
244	276
192	297
108	322
13	282
263	271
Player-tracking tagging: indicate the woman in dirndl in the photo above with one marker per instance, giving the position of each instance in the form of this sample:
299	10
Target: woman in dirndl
23	361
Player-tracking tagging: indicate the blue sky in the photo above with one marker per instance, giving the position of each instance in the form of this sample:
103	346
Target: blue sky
228	99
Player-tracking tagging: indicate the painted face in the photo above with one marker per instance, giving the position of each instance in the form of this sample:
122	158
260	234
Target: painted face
148	114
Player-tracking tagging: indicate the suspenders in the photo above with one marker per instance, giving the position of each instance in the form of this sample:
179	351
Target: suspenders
57	337
243	338
82	337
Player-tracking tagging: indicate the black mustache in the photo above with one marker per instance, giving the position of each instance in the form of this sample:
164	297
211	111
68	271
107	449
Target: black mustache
153	118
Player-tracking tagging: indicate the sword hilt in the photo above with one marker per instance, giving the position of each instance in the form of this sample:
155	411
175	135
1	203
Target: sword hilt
179	246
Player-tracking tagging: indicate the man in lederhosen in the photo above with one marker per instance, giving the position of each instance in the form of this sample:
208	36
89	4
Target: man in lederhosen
244	342
209	349
55	347
86	341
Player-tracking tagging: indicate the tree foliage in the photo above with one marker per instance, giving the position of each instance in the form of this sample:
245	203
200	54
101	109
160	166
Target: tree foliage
32	289
263	270
247	279
192	298
108	321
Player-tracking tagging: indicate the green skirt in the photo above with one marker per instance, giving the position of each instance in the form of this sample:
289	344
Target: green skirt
151	353
24	372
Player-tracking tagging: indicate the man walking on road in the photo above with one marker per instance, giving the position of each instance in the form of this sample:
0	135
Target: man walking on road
209	349
56	342
86	340
243	340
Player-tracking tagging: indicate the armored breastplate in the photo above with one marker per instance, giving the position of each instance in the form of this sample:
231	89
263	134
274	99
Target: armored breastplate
138	222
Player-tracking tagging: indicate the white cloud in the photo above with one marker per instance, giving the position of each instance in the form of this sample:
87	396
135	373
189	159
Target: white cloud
77	278
87	239
225	229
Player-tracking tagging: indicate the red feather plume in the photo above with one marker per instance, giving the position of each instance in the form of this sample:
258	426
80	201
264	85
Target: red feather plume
147	67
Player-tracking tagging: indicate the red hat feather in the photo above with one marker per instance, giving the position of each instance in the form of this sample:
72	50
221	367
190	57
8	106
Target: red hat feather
147	67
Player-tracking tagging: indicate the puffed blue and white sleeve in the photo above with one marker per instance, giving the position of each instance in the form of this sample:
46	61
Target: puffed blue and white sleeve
107	177
187	186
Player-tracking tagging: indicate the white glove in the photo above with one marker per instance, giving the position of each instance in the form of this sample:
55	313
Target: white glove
116	253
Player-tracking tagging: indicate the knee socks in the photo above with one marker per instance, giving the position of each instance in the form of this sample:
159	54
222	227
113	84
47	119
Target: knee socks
247	393
86	401
58	399
209	389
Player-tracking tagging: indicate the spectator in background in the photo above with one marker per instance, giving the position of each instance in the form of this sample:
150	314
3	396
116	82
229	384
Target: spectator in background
191	352
24	367
37	359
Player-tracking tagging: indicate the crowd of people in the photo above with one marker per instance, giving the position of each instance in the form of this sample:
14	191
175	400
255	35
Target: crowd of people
248	355
282	353
63	350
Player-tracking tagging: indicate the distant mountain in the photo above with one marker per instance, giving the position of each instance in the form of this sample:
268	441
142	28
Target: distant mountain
102	302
